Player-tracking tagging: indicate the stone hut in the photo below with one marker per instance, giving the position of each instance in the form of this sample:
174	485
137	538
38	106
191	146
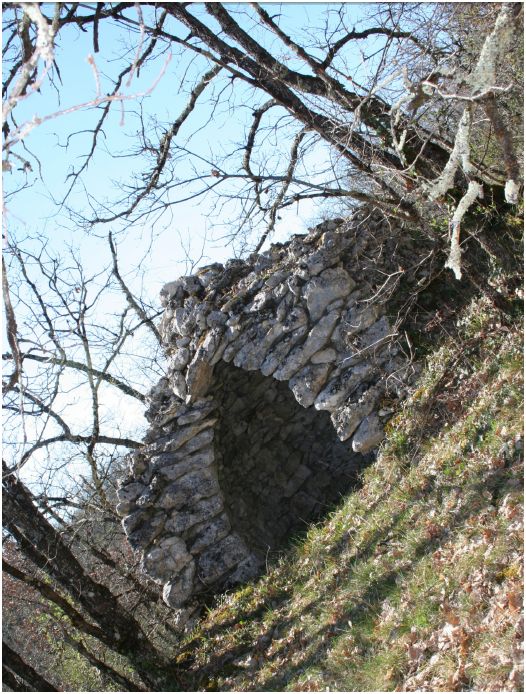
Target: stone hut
281	370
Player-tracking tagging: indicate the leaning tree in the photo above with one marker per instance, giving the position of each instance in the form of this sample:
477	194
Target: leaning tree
412	108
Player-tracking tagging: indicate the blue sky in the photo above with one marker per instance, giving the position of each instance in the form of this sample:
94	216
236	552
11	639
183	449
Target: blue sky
58	150
163	247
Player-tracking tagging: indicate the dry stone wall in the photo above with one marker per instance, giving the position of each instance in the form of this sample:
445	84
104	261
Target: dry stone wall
279	368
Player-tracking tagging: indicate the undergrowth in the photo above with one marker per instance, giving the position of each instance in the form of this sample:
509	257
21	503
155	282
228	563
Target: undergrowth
415	582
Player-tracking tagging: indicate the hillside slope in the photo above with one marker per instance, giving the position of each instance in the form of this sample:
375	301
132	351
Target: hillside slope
415	581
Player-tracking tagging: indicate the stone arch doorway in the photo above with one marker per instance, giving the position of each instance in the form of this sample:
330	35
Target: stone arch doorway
279	465
278	370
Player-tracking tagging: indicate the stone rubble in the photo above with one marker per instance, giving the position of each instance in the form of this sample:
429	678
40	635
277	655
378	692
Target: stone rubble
274	399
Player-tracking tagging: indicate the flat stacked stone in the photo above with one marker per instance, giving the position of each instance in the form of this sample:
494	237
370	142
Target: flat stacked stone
277	367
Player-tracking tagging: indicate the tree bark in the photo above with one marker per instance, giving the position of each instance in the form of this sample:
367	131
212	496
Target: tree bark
44	546
12	661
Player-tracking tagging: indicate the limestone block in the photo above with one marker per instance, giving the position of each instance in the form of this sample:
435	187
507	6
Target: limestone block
307	383
180	521
209	273
247	569
133	521
301	473
197	443
375	335
178	384
339	388
180	358
166	559
332	284
177	591
217	560
184	320
191	284
202	459
284	307
170	291
295	318
278	353
197	411
198	379
130	492
238	341
316	339
251	356
277	278
216	319
347	418
147	532
369	435
358	318
124	508
208	533
137	463
179	438
194	485
324	356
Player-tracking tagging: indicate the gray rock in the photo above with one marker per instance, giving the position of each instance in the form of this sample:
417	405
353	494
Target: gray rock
295	318
147	532
182	520
178	384
209	273
278	353
178	439
208	533
369	435
177	591
133	521
248	568
316	339
347	418
202	459
359	318
171	290
306	384
191	284
262	337
321	291
277	278
217	560
184	320
284	307
180	358
166	559
200	409
298	478
324	356
189	488
339	388
124	508
216	319
198	379
375	335
130	492
136	463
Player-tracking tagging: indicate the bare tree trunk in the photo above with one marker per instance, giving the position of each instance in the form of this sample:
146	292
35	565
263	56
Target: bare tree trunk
44	546
11	661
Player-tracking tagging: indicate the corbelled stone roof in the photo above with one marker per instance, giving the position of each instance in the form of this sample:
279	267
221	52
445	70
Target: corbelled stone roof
278	371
